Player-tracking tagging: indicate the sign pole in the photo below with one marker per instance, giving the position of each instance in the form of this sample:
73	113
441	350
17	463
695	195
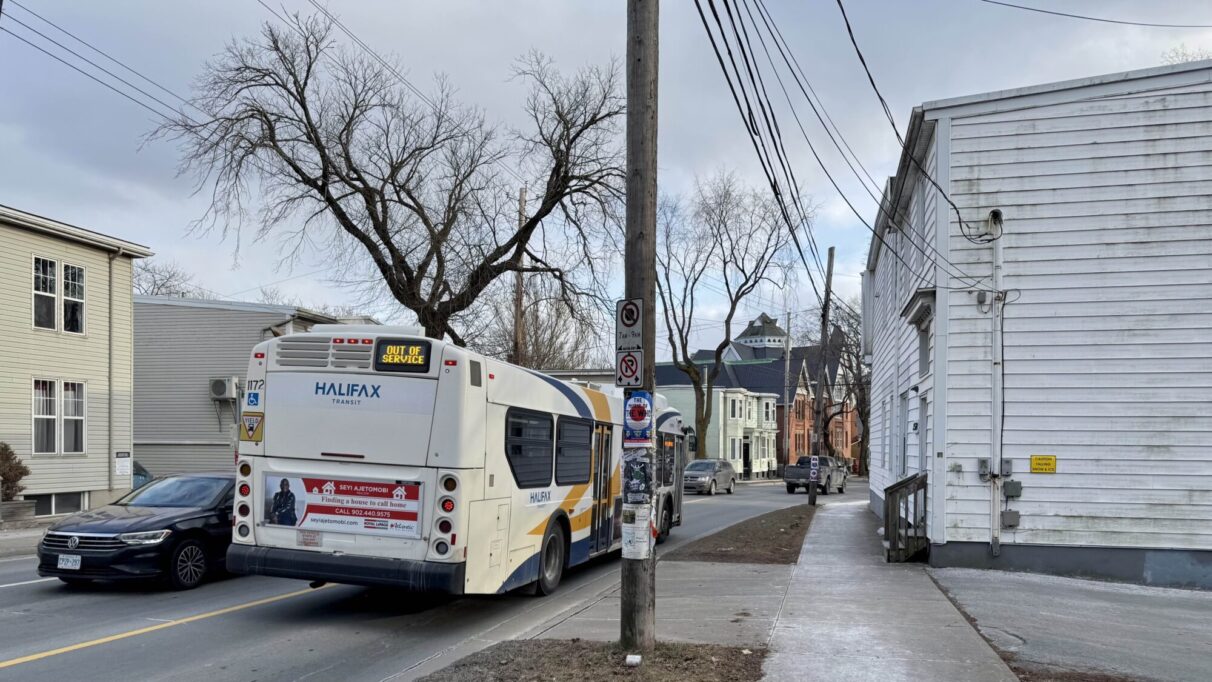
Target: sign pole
637	621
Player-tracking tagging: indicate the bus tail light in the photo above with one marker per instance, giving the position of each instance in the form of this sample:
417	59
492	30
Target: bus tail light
451	363
245	469
454	539
450	483
447	505
243	510
445	526
245	490
441	548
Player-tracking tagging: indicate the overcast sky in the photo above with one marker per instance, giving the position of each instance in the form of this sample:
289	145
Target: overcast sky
74	151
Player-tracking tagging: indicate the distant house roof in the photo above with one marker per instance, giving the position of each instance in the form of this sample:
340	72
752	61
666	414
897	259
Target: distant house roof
240	306
757	376
37	223
764	325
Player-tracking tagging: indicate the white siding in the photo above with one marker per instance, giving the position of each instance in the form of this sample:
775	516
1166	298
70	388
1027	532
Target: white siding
905	264
1108	330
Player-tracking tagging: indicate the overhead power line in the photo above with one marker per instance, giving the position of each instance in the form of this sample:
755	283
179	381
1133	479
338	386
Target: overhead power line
904	222
1104	20
909	152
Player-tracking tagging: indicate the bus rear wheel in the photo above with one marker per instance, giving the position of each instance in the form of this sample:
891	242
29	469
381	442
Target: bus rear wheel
551	559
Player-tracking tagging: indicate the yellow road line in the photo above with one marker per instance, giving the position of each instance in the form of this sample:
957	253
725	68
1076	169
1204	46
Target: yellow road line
151	628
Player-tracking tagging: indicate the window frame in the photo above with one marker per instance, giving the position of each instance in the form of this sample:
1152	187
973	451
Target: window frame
82	418
35	416
53	293
511	412
64	298
559	425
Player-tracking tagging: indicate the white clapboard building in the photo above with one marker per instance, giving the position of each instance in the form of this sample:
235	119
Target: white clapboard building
1065	324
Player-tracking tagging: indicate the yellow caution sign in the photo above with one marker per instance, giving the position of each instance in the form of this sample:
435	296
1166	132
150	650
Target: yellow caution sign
1043	464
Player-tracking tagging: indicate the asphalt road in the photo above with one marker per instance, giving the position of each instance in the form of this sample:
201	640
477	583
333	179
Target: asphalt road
255	628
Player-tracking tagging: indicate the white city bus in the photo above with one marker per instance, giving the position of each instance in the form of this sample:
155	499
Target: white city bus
374	456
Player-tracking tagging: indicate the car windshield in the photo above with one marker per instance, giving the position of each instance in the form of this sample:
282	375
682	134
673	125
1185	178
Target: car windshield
700	465
176	491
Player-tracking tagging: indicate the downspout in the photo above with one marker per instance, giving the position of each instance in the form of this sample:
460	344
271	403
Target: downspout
997	410
109	369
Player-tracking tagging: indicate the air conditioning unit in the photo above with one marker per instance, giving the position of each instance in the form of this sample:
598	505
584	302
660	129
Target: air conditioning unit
224	388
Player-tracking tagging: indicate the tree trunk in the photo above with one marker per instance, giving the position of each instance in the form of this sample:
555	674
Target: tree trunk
702	419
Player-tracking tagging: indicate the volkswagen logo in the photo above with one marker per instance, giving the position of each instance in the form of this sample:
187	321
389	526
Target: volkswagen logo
73	542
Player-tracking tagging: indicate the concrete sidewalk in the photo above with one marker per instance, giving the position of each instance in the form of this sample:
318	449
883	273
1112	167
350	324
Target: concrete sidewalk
869	620
20	542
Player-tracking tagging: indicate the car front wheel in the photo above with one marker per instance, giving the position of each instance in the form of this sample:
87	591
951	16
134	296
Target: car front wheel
828	485
188	565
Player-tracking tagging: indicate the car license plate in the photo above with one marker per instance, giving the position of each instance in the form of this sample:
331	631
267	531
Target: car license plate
69	562
308	538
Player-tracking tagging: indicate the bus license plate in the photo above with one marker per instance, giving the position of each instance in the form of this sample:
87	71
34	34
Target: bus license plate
308	538
69	562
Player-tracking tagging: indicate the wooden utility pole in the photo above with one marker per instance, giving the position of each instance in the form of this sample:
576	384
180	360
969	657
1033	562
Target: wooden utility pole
519	320
818	405
637	621
787	392
818	424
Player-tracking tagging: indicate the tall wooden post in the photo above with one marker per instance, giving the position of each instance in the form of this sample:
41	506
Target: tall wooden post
637	621
818	406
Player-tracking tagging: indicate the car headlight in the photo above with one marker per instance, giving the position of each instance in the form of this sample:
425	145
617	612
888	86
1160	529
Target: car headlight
153	537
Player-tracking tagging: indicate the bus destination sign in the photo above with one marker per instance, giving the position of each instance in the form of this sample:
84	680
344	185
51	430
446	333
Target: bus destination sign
402	355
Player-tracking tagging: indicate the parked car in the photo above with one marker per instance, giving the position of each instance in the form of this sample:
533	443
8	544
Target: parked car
708	476
832	474
175	529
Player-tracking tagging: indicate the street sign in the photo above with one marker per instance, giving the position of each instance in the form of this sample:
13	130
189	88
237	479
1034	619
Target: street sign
637	420
628	367
628	326
814	468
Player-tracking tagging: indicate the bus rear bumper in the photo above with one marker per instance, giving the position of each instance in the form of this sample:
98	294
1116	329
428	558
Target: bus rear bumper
418	576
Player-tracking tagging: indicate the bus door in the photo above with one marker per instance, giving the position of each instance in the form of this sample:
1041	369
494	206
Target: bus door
599	537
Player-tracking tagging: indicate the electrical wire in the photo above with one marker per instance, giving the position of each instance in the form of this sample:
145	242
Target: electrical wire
1090	18
908	152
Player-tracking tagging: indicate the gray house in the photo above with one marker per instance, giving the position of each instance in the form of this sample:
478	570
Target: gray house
190	359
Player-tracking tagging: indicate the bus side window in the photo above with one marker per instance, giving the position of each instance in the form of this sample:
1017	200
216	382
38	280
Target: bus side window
529	447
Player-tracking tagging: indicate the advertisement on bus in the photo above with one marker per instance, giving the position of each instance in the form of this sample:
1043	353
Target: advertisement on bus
343	506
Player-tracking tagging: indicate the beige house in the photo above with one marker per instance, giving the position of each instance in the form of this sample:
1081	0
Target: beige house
66	369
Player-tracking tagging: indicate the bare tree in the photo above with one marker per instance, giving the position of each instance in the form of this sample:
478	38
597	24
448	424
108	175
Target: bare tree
165	278
851	391
331	142
1182	54
731	235
556	336
275	296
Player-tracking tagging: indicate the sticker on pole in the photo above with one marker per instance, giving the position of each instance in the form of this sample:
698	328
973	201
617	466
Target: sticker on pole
637	539
637	420
628	367
814	468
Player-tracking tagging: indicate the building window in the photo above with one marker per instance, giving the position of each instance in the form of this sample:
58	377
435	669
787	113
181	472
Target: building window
732	445
73	418
58	503
923	350
732	407
749	410
44	417
529	447
44	293
572	451
73	299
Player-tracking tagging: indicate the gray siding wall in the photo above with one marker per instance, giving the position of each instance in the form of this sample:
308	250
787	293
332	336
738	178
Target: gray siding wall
178	348
1108	331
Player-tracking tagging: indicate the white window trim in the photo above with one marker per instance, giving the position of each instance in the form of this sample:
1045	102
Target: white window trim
63	299
34	293
83	418
34	416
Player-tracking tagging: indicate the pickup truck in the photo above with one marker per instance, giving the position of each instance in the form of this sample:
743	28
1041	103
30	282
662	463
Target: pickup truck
832	474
